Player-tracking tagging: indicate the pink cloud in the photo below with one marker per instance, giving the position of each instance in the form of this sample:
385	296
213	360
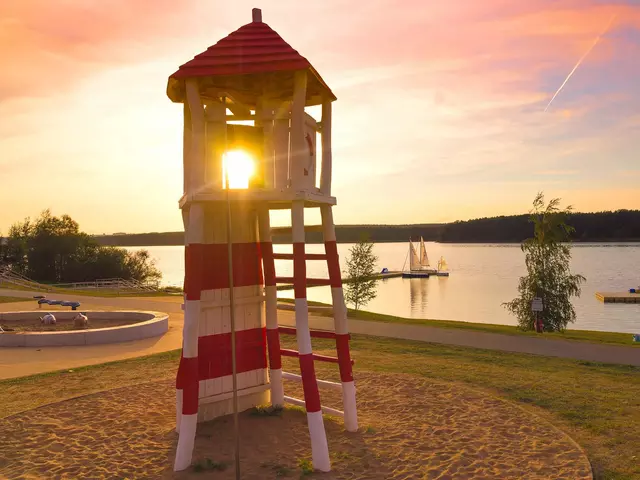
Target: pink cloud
47	46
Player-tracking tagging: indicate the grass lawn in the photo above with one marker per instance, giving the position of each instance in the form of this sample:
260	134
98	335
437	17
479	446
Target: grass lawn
93	293
598	405
612	338
12	299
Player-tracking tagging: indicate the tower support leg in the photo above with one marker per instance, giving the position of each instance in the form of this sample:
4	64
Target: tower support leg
187	381
271	309
340	319
319	446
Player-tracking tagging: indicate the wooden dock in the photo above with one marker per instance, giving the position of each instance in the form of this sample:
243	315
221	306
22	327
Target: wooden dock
389	275
378	276
618	297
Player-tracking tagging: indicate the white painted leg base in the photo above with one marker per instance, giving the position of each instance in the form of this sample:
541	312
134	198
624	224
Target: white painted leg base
185	442
349	404
319	446
178	409
277	389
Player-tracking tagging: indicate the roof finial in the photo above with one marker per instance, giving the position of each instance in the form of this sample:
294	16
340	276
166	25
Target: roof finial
256	15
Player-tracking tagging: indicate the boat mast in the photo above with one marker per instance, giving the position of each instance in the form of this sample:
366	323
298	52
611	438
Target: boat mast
410	254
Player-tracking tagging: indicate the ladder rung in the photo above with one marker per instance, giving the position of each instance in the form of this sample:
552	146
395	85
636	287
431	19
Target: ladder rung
310	281
313	333
285	352
307	256
321	383
327	410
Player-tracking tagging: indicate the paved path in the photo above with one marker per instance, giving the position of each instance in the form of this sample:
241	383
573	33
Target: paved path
17	362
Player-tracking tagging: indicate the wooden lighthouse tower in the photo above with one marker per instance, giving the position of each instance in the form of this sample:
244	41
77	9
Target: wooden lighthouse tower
254	77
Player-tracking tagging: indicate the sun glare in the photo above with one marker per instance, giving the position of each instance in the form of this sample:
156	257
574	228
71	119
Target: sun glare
240	166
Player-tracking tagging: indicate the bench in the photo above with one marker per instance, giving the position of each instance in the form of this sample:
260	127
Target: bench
43	300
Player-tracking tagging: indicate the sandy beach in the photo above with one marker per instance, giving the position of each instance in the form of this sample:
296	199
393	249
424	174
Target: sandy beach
411	428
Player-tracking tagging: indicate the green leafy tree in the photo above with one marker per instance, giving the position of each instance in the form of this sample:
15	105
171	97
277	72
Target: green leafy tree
360	287
547	258
53	250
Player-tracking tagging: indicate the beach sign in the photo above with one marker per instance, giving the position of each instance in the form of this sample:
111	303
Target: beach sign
536	304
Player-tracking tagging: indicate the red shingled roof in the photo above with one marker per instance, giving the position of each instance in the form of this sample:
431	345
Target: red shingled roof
254	49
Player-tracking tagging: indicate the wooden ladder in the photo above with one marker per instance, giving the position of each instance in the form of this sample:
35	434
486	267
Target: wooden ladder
303	333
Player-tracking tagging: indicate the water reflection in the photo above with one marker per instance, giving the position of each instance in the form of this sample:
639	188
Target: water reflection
418	295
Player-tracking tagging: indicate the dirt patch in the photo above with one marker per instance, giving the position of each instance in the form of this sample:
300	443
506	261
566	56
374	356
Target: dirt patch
411	428
34	325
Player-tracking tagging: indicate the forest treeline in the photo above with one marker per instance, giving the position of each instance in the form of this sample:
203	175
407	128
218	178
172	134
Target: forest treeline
621	225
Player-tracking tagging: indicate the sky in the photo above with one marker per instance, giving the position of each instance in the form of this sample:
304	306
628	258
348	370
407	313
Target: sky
440	113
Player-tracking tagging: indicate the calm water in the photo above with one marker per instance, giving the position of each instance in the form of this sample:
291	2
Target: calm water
482	277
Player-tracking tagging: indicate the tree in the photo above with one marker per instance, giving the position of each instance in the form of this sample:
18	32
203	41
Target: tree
360	287
547	257
54	250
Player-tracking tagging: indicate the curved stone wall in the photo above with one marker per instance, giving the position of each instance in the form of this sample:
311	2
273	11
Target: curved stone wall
148	324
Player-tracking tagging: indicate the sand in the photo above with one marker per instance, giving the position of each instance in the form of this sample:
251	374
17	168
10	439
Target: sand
411	428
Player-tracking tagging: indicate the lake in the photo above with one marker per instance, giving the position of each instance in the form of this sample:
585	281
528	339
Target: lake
482	277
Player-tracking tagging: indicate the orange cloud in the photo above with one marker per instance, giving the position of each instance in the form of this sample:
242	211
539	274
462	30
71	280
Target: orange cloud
47	46
434	98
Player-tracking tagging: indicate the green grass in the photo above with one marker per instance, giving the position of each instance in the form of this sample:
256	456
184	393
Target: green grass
277	468
209	465
168	292
611	338
12	299
598	405
306	467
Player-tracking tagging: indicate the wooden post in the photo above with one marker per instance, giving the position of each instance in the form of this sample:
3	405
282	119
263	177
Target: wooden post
271	308
216	141
325	179
298	150
281	146
186	148
197	155
265	117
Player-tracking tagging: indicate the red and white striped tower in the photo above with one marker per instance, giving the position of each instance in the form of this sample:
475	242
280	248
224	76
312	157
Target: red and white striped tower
340	321
319	446
238	74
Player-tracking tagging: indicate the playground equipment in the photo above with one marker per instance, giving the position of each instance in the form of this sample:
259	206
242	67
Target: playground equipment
260	79
42	300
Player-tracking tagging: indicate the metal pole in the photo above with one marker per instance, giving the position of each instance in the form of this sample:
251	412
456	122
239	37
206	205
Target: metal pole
232	311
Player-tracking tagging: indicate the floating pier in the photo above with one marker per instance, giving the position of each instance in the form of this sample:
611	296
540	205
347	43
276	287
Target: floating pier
618	297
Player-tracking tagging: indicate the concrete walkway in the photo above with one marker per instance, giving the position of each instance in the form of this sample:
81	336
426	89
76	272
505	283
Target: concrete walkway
17	362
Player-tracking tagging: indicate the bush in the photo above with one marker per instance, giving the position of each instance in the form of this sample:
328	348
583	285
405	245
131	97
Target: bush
54	250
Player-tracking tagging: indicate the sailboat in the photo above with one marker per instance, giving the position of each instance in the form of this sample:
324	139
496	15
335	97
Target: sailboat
443	268
418	265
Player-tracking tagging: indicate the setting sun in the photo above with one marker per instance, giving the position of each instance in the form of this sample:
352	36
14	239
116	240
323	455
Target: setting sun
241	168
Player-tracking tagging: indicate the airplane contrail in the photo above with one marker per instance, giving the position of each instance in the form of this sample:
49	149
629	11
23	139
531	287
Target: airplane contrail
595	42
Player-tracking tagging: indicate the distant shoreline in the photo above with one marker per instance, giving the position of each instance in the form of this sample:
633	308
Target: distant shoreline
621	226
107	240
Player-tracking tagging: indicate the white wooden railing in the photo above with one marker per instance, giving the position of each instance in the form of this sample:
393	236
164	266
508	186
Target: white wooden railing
9	278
